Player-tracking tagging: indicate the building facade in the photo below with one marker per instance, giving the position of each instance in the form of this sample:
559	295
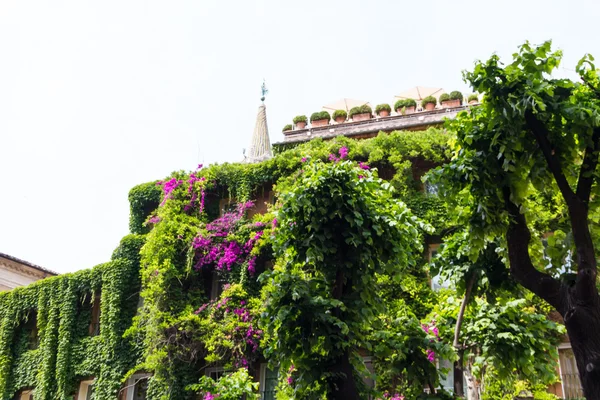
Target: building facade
15	272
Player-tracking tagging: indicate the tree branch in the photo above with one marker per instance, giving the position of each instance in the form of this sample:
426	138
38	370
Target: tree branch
541	136
518	237
463	307
588	167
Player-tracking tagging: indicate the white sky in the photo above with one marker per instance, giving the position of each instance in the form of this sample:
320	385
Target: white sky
96	97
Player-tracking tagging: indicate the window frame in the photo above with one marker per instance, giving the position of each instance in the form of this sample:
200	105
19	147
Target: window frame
84	386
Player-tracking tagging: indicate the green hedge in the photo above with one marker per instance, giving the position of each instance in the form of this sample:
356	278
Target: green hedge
143	200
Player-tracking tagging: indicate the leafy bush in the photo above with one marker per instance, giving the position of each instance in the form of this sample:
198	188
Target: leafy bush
473	97
360	110
288	127
340	113
300	118
405	103
430	100
320	116
444	97
383	107
456	95
143	200
238	385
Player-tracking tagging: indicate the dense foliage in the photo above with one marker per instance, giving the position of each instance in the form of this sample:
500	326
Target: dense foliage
300	118
340	114
444	97
382	107
309	261
287	127
64	351
320	116
404	103
338	227
429	100
456	95
364	109
524	175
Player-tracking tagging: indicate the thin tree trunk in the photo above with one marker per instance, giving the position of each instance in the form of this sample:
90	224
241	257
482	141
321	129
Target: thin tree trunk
344	387
459	389
472	388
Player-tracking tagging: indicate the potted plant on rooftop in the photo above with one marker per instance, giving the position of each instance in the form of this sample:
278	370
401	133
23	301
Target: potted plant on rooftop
383	110
361	113
445	100
473	99
287	128
340	116
405	106
300	121
320	118
456	98
429	103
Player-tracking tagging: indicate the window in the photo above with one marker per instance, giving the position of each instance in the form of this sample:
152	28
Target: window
31	330
215	373
569	375
94	327
436	282
227	205
268	382
86	389
26	395
137	387
447	378
217	286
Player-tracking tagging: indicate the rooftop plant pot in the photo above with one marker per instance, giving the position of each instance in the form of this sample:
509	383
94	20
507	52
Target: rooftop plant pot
340	120
473	101
429	107
384	113
301	125
451	103
406	110
361	117
320	122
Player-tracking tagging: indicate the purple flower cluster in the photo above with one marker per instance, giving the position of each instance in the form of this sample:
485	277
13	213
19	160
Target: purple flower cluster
343	151
396	396
432	330
154	220
209	396
252	265
168	188
362	165
221	226
193	179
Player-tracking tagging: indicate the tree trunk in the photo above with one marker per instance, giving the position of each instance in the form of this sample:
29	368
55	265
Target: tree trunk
579	303
583	327
459	390
472	388
344	388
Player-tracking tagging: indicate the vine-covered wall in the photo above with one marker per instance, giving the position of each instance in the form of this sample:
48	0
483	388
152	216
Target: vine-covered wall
168	257
64	352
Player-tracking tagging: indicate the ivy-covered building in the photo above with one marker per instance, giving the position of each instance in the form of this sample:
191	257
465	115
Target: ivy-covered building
183	295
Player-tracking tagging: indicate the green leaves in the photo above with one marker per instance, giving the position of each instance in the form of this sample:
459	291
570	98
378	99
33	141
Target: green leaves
338	226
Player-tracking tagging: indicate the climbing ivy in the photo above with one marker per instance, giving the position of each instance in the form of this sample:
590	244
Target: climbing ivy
66	352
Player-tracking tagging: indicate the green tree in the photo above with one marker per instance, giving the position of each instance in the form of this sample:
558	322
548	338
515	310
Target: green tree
535	136
338	226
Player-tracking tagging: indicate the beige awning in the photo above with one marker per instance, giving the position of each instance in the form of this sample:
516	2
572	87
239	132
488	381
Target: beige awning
344	104
419	93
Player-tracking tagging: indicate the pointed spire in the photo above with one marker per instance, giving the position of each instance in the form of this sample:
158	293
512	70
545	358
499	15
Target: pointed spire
260	147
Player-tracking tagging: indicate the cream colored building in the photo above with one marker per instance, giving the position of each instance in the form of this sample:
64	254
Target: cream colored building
15	272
